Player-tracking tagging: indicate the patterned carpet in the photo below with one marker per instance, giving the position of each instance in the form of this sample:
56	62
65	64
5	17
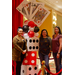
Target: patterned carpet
52	67
51	64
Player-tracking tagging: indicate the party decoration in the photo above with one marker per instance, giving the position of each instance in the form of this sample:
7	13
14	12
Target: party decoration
35	24
35	14
33	11
26	36
33	44
29	69
30	33
25	28
26	22
30	58
36	29
36	34
31	24
31	29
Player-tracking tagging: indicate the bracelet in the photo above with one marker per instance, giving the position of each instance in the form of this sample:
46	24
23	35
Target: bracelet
58	53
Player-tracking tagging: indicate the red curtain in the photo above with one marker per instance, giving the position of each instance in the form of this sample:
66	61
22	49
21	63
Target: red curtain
17	17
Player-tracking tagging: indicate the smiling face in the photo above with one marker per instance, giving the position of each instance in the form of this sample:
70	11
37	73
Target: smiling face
44	33
20	32
56	30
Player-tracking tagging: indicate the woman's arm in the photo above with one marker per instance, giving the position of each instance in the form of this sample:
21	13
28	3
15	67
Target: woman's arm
50	46
60	47
15	44
50	43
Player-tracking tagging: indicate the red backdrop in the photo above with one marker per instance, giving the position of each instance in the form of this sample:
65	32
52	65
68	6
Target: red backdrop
17	18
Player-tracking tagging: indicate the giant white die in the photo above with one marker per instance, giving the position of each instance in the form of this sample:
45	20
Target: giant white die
33	44
29	69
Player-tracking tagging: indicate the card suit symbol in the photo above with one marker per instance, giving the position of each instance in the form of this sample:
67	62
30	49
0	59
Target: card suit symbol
32	61
38	21
25	61
26	5
40	9
32	54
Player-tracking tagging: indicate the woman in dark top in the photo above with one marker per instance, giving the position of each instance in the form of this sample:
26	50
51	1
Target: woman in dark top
57	48
19	49
44	48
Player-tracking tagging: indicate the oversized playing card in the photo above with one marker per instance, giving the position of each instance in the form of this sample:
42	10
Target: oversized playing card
22	8
28	8
30	58
34	6
40	14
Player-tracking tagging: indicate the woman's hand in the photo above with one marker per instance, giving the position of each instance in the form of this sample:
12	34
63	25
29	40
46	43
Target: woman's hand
49	54
24	52
58	55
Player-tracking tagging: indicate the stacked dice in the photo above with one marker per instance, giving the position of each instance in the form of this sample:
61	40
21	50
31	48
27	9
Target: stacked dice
36	13
29	66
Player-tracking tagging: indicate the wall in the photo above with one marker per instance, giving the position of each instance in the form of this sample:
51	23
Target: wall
59	21
47	24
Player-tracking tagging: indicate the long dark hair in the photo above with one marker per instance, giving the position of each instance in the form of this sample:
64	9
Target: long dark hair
59	29
41	36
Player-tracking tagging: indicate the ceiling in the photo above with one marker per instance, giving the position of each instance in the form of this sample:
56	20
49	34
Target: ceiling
54	4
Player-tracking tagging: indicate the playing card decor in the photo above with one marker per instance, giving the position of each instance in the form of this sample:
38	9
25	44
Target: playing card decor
36	13
33	11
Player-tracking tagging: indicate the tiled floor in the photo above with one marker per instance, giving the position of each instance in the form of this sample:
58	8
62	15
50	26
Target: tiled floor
51	64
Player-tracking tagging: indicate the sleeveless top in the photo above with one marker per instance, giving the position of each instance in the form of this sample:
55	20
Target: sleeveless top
55	43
